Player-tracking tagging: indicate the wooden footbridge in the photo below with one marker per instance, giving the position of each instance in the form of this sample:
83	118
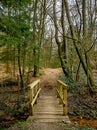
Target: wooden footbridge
48	108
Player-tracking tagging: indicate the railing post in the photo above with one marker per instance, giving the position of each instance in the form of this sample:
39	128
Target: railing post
61	93
65	101
38	87
31	99
36	92
58	89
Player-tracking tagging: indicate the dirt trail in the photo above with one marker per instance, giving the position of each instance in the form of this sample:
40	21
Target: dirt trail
46	126
38	126
49	81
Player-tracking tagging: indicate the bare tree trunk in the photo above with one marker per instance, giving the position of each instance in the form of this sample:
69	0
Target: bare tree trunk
63	30
24	58
8	64
77	73
75	41
14	62
19	66
8	48
62	59
34	39
51	44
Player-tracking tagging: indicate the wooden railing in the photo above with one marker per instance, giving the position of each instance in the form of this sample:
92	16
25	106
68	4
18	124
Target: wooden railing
62	95
34	93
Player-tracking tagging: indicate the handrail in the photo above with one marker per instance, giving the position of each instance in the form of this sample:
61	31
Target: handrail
62	94
34	93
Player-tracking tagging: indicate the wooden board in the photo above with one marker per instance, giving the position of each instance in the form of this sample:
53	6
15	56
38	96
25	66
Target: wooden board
48	109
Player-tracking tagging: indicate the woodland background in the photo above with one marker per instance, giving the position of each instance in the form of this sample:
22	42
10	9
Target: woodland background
39	34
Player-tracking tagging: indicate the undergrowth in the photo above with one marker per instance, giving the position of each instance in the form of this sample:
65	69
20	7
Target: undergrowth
74	86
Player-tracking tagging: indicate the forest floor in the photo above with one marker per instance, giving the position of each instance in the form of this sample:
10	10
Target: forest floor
82	107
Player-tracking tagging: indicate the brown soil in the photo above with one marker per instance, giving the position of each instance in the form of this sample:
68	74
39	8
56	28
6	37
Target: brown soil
49	81
85	122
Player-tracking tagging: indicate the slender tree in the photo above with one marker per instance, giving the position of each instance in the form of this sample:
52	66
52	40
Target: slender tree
75	41
62	54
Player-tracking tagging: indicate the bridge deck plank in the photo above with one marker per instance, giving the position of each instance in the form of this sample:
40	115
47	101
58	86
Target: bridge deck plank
48	109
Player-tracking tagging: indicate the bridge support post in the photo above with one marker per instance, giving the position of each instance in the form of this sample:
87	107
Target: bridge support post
31	99
38	87
34	93
58	85
61	93
65	111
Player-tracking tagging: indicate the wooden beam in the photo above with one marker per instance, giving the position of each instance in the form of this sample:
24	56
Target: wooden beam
60	97
32	85
62	92
63	84
34	93
35	98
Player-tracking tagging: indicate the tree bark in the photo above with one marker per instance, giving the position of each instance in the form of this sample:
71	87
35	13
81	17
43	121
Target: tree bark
63	59
75	41
35	73
19	66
